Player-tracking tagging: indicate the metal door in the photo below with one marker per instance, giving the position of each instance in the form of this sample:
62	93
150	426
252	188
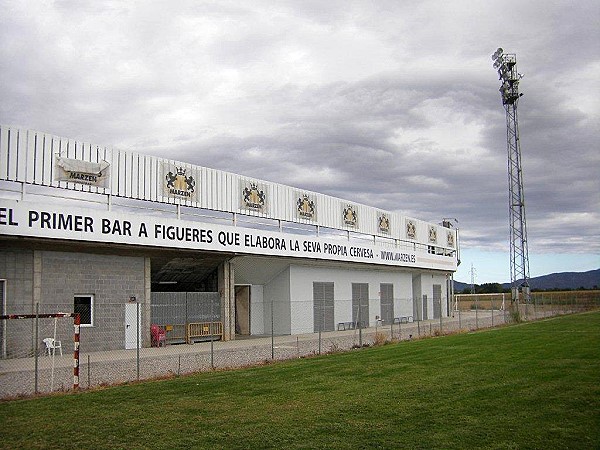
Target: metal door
360	303
323	310
387	302
132	328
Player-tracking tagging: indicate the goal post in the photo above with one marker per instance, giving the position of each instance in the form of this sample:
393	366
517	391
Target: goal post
76	334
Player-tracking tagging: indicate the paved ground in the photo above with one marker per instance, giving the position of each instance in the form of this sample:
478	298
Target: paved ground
17	376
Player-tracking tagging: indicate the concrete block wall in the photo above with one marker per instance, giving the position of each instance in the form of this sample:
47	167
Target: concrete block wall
112	280
16	268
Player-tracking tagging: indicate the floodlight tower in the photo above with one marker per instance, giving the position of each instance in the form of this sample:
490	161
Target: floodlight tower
506	64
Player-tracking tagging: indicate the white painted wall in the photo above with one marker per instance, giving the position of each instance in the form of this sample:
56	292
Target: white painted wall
301	285
257	310
291	291
417	291
423	285
277	292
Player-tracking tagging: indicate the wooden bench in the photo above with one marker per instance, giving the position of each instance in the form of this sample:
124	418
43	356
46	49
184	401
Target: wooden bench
403	319
343	326
203	330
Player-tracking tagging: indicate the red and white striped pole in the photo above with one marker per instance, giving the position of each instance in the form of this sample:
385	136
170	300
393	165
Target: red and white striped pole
76	325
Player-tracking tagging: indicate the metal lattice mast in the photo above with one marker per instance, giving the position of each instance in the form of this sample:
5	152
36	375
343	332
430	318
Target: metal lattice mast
506	64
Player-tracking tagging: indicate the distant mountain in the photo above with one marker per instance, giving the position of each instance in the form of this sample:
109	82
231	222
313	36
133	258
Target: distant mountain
562	280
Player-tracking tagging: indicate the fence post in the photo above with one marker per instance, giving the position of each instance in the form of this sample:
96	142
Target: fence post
212	345
35	348
359	324
477	312
137	340
419	315
492	310
440	315
320	326
272	332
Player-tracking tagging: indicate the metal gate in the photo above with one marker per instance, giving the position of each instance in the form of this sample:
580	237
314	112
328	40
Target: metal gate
174	311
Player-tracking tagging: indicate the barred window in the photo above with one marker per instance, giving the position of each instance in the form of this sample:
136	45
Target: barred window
84	305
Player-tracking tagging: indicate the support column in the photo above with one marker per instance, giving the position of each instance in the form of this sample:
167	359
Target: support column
227	294
146	304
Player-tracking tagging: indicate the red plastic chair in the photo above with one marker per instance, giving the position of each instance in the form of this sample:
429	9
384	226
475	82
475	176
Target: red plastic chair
158	335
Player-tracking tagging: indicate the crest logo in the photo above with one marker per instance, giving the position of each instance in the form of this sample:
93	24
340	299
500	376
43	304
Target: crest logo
383	222
411	230
306	208
254	197
450	239
349	216
432	235
180	185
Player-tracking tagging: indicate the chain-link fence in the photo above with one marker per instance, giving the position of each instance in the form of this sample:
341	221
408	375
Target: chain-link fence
38	353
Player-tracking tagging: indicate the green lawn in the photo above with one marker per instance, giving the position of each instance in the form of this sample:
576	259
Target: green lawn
534	385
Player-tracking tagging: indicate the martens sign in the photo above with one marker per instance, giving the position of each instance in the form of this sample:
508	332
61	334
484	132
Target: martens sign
93	225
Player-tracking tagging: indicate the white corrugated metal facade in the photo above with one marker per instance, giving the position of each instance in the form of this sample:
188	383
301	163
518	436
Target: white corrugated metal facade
130	225
28	157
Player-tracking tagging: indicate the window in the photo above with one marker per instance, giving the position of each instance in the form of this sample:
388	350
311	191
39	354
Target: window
84	305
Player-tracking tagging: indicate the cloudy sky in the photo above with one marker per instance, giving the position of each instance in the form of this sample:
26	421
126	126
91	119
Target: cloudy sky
394	104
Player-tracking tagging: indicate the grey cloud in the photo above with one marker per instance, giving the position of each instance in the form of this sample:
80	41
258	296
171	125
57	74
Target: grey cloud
155	80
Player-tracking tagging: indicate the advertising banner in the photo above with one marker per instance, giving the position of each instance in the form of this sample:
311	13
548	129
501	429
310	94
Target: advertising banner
18	218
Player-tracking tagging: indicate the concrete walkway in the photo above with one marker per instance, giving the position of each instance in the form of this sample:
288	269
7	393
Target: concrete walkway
17	376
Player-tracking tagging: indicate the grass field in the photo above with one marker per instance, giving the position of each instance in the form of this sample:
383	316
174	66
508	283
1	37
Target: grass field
533	385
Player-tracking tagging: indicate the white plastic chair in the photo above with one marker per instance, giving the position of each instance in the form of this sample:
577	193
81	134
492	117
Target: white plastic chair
52	345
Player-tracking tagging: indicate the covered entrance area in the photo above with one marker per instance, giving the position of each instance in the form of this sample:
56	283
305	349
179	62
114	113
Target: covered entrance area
190	299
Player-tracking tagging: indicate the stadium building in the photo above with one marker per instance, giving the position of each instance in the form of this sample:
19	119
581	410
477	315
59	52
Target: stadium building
130	241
